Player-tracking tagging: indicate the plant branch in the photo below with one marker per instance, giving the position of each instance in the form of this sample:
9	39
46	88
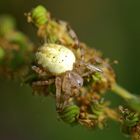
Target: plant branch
132	100
122	92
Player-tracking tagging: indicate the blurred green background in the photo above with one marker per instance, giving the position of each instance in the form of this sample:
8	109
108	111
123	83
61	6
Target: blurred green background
112	26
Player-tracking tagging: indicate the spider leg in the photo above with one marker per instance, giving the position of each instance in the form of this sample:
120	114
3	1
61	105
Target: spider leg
73	34
41	87
58	83
63	92
87	73
70	31
91	69
43	82
39	71
66	87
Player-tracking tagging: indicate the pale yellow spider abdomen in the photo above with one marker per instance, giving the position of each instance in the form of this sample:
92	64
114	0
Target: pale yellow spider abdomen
55	58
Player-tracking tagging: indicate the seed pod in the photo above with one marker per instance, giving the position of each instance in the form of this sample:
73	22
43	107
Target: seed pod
39	15
70	114
129	120
55	58
97	108
135	132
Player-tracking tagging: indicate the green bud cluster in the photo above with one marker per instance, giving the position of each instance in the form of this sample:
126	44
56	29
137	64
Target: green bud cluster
70	114
39	15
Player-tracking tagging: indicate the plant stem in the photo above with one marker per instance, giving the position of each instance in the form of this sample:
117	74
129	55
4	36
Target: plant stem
112	114
122	92
132	100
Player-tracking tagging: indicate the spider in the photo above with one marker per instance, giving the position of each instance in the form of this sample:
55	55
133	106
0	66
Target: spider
56	65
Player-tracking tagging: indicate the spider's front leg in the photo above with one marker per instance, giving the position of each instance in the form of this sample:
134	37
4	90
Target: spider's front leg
90	69
39	71
63	91
66	88
58	84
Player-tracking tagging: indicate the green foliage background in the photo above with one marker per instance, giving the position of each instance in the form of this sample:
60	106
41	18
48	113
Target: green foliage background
112	26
